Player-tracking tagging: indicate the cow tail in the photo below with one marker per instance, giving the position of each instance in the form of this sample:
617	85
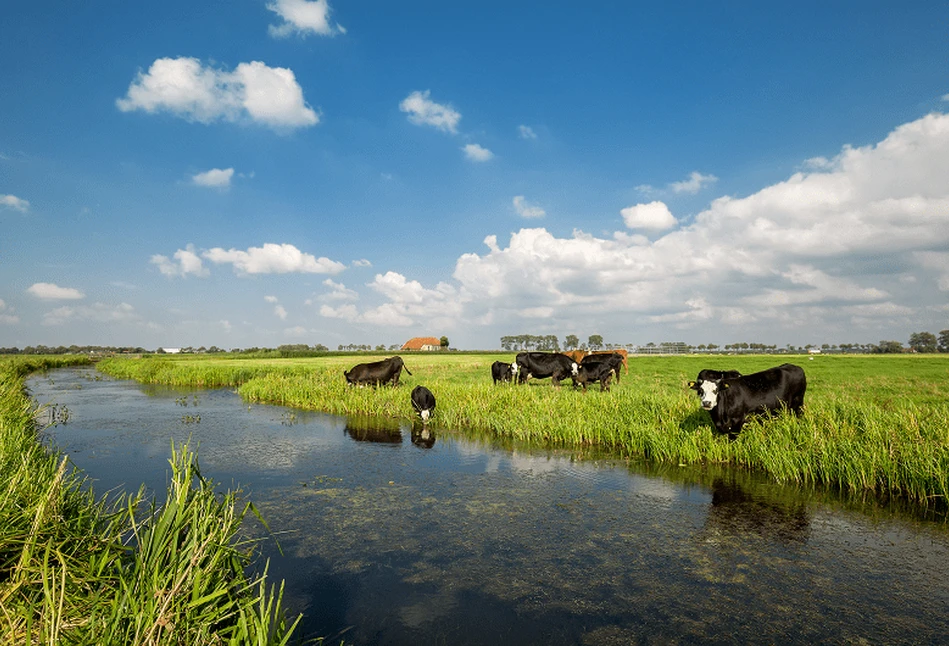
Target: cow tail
406	368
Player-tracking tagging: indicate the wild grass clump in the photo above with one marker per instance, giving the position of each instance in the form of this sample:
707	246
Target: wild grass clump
74	569
871	424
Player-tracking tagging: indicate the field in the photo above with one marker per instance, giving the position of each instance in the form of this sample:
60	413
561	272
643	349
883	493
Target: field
873	424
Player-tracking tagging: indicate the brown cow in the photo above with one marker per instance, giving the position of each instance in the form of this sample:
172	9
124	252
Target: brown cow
576	355
621	353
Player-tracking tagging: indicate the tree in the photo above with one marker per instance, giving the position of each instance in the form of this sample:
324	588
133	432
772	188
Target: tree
888	347
595	341
570	342
443	342
923	341
943	343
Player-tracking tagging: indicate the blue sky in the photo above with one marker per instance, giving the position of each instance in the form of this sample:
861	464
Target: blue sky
260	172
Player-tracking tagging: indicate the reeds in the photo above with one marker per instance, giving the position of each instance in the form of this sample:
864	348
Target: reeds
871	424
76	570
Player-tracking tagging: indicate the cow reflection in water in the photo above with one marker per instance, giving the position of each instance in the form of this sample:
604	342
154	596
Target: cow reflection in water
736	512
373	429
423	436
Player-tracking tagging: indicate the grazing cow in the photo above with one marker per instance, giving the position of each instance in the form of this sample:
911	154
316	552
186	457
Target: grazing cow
424	402
592	372
621	352
541	365
501	371
386	371
614	359
730	400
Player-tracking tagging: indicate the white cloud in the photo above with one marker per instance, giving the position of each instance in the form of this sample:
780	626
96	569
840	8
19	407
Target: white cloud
98	312
654	216
214	178
7	314
423	111
860	241
526	210
253	92
303	17
52	292
362	262
409	303
273	259
186	262
339	292
280	312
474	152
696	182
271	299
15	203
526	132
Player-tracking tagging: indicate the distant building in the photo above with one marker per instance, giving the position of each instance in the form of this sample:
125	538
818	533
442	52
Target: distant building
424	343
171	350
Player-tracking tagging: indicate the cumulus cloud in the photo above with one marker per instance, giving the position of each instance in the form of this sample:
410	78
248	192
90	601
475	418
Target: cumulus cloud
214	178
409	303
98	312
52	292
654	216
273	259
362	262
339	292
15	203
303	17
474	152
526	132
7	314
696	182
423	111
526	210
186	262
858	242
253	92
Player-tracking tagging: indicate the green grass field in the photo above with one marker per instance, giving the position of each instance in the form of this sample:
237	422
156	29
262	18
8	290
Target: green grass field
872	423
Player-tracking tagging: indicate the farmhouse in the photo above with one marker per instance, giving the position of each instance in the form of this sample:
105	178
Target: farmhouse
424	343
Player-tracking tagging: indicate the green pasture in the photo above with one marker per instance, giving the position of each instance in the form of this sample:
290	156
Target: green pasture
872	423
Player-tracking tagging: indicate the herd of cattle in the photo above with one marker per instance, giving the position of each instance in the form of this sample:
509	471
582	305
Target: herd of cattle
729	396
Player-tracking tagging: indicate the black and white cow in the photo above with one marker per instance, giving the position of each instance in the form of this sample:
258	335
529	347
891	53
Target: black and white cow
730	400
590	372
501	371
423	401
614	359
386	371
541	365
711	375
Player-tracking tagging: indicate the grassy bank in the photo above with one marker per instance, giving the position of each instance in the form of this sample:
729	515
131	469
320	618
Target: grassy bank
77	570
872	424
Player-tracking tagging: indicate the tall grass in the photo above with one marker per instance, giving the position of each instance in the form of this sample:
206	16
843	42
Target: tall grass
77	570
871	424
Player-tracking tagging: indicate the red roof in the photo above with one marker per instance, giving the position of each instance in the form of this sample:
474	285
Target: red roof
419	341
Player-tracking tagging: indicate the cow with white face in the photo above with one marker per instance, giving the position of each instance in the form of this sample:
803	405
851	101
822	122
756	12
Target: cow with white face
730	397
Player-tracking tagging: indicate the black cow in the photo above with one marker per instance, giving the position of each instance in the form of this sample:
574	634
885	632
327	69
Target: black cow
614	360
541	365
595	371
730	400
424	402
501	371
386	371
711	375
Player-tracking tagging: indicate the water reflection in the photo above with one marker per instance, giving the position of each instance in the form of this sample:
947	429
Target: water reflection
366	428
740	512
422	435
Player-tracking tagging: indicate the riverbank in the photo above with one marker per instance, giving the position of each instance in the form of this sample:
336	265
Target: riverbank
872	424
76	569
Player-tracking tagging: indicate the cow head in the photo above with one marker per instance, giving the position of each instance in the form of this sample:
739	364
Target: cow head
574	368
514	369
708	391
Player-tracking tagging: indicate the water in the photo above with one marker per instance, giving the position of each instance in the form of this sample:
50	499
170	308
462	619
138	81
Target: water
392	537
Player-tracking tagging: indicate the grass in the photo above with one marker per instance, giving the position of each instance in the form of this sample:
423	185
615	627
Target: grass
876	424
77	570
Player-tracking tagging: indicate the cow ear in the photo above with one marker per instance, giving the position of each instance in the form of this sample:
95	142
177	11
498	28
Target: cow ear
725	386
692	385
